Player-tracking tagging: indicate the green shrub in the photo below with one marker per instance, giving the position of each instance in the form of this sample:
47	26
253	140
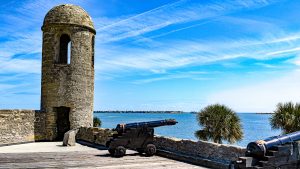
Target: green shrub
96	122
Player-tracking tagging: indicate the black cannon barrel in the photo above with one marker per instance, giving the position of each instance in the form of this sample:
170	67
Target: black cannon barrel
259	147
152	124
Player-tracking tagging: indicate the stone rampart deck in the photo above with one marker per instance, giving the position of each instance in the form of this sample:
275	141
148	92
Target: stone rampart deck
53	155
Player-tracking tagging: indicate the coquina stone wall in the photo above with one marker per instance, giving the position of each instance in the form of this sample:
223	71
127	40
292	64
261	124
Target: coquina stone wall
20	126
208	153
94	135
199	152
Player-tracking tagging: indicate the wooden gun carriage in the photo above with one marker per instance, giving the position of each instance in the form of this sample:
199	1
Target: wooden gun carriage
135	136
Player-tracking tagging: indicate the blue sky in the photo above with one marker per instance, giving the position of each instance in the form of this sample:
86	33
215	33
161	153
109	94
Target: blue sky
165	54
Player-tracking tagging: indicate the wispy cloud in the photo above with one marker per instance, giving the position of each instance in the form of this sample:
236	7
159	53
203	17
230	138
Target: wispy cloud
20	66
20	43
267	65
174	13
194	75
21	35
28	41
284	51
189	53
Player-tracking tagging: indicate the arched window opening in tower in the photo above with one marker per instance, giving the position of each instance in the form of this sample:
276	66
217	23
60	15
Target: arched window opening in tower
69	53
64	50
93	50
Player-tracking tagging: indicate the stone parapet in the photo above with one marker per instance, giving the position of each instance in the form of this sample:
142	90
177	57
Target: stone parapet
21	126
94	135
198	152
219	152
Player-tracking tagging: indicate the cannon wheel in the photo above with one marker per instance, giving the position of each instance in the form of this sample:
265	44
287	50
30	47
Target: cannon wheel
111	151
150	150
120	151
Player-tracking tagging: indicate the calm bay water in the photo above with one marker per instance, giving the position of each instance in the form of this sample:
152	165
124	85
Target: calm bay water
255	126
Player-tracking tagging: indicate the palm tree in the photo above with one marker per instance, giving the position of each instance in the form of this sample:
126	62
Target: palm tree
219	123
286	117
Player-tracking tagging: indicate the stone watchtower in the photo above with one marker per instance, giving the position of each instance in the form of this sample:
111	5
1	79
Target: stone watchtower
67	70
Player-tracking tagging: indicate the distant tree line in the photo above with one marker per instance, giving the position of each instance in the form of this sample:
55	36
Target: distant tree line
131	111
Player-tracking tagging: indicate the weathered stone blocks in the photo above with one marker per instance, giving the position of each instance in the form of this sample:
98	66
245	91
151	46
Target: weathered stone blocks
19	126
219	152
95	135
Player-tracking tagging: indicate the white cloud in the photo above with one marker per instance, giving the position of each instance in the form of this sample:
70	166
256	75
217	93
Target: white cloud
284	51
260	96
112	29
20	66
194	75
27	43
297	61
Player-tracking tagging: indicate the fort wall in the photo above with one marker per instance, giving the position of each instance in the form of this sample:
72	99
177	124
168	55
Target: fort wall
21	126
198	152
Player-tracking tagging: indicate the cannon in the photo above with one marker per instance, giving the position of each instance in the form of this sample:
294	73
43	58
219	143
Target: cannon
135	136
259	148
274	152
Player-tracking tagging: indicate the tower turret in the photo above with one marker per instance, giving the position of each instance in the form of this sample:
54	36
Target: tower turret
67	70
